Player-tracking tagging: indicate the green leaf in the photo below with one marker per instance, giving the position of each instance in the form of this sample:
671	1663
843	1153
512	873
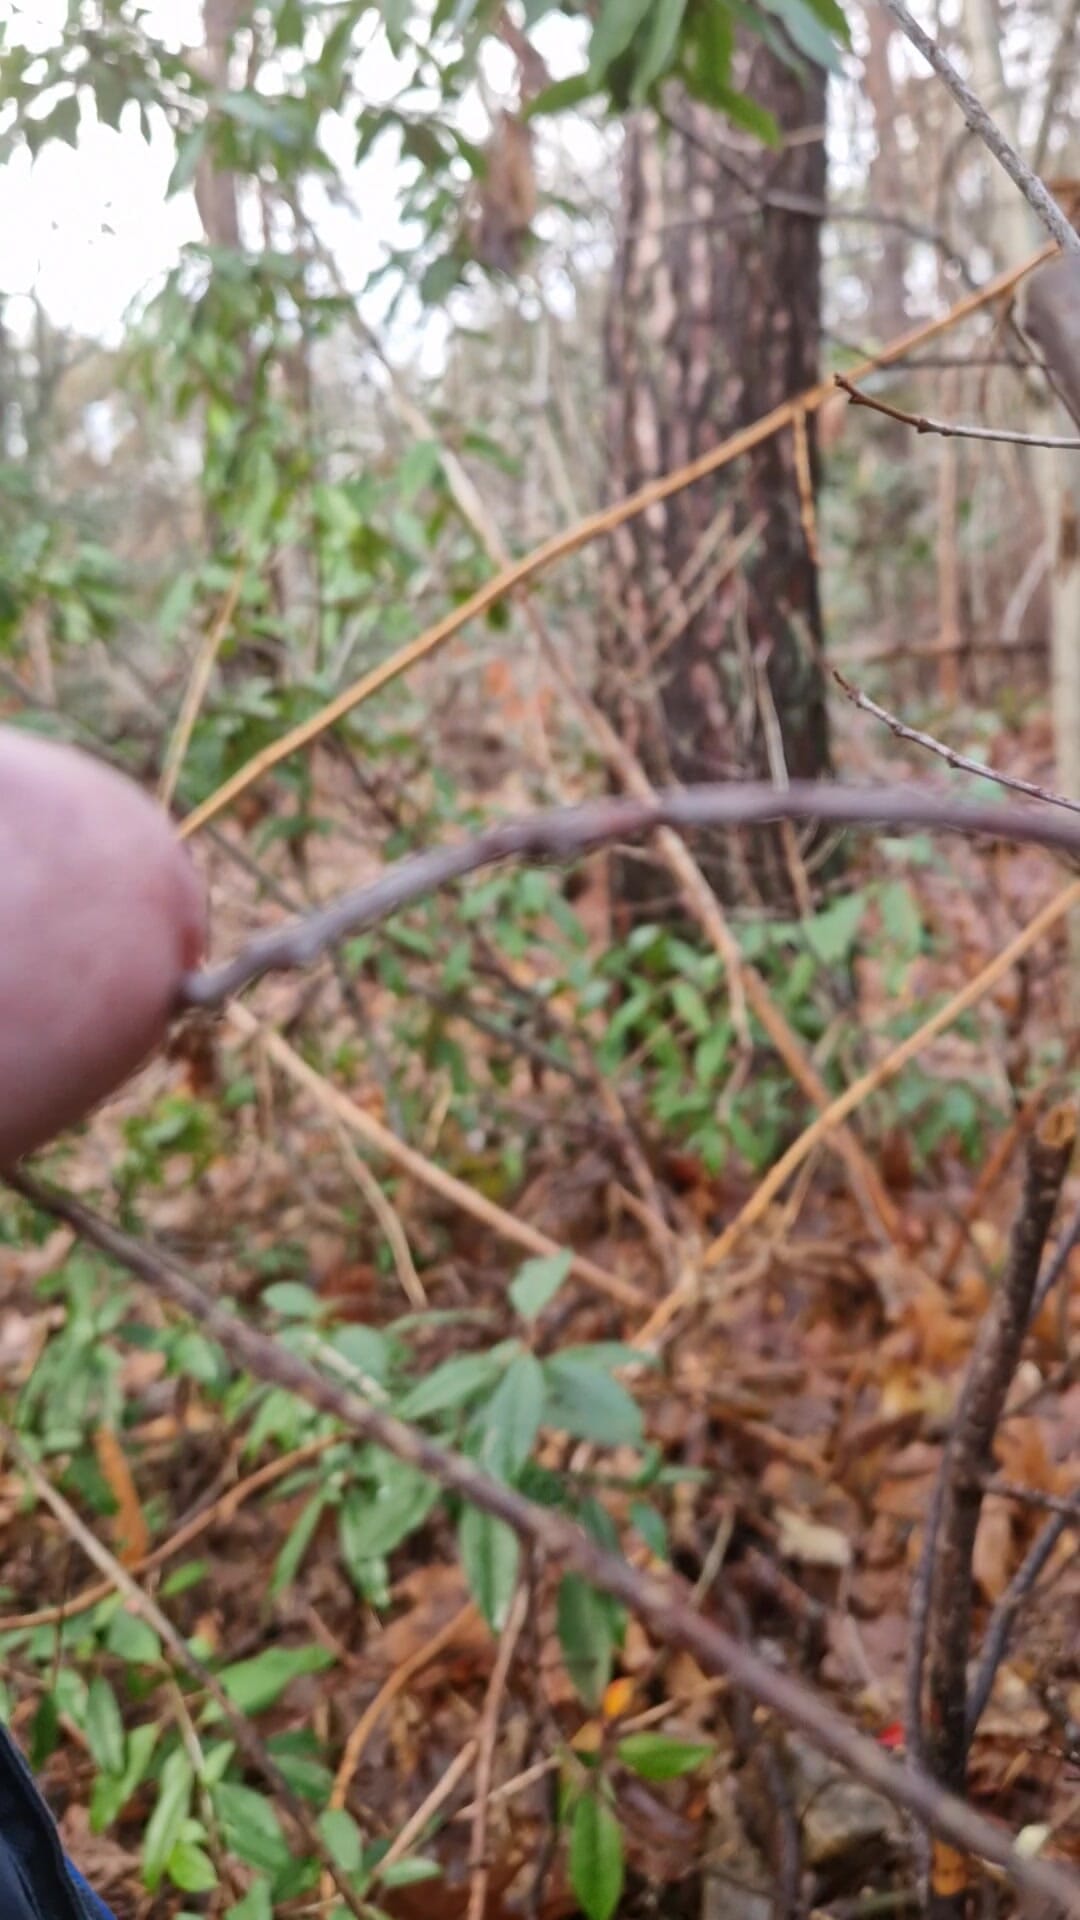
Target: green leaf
365	1348
615	28
831	934
190	1869
133	1640
490	1554
189	151
535	1284
439	279
418	469
806	32
111	1792
376	1519
650	1525
661	42
396	16
251	1826
510	1421
292	1300
586	1636
289	1560
596	1857
561	94
410	1872
343	1837
45	1730
657	1756
832	15
104	1726
690	1006
252	1685
744	112
452	1385
901	916
256	1904
586	1402
710	1054
170	1812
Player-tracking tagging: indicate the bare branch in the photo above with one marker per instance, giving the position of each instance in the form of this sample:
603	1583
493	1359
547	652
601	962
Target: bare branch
961	761
564	833
955	430
1039	198
1055	1266
664	1605
999	1628
969	1455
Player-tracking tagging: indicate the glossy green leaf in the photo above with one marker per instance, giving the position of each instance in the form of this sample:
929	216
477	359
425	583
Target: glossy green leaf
452	1385
377	1518
490	1556
510	1420
252	1685
657	1756
660	43
616	25
190	1868
167	1819
596	1857
104	1726
251	1826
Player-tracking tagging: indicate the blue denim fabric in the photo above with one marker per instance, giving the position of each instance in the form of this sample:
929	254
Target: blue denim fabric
36	1881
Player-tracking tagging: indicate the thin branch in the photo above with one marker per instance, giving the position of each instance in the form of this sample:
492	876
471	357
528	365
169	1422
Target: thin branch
565	833
961	761
1061	1503
953	429
1000	1625
969	1454
662	1604
479	1864
919	1600
1039	198
1056	1265
195	692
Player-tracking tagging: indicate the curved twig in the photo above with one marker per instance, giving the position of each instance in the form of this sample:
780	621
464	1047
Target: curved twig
564	833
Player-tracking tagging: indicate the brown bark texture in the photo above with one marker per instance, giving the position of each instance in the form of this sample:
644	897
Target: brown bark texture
711	661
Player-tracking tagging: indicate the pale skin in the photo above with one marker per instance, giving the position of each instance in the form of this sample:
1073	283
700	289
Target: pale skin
101	915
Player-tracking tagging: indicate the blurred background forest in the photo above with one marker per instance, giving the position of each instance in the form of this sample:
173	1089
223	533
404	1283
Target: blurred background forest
314	319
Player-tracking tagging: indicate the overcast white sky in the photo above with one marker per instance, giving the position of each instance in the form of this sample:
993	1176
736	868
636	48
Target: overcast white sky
91	230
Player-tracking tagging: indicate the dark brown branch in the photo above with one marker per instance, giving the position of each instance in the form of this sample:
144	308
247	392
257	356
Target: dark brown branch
1000	1625
969	1455
1056	1265
567	832
663	1605
922	1586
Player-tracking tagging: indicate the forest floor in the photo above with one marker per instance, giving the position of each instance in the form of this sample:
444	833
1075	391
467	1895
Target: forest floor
804	1400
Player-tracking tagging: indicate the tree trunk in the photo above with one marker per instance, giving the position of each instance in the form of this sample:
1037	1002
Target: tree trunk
711	661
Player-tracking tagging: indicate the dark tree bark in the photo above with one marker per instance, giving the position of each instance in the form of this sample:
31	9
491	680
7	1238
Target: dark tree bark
711	670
